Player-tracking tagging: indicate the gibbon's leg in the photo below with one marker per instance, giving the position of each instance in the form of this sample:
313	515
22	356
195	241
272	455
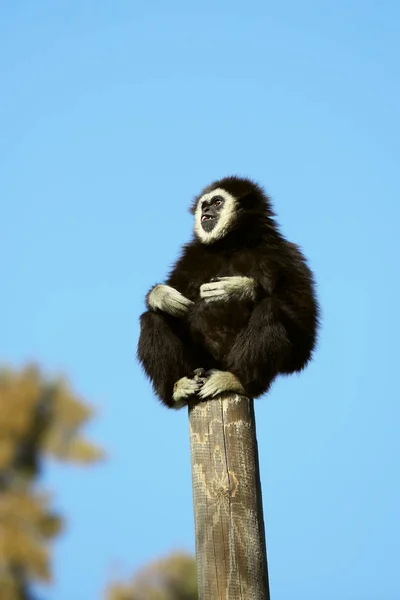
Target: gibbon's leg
260	349
166	353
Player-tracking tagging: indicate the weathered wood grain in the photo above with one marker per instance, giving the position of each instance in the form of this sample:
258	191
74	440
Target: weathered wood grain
230	538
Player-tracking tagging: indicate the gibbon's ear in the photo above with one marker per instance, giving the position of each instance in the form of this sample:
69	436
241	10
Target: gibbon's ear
248	201
252	202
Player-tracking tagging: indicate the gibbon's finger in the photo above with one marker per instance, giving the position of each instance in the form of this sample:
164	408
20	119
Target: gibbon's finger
219	382
200	376
184	388
182	301
177	303
242	287
237	281
232	278
214	294
177	296
200	372
226	278
217	288
214	285
206	288
211	387
187	302
209	390
174	308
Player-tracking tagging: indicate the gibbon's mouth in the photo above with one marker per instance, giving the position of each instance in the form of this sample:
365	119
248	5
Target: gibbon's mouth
207	218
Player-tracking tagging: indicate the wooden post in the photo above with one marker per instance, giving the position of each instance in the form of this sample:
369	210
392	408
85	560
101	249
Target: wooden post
229	525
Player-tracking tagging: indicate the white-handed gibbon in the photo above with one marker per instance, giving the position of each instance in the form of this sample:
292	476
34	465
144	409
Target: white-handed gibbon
238	307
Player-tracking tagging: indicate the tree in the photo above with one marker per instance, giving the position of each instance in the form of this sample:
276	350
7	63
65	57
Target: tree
39	417
170	578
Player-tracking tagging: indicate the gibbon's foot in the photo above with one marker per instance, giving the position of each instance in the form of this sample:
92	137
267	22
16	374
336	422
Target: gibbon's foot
184	389
218	382
200	375
229	288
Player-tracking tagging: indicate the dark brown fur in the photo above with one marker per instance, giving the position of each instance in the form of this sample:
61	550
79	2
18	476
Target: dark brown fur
254	340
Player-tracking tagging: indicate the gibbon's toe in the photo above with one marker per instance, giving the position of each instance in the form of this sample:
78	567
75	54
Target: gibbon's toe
184	388
219	382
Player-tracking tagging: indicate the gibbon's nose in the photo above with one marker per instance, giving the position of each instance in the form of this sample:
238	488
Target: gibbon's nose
206	210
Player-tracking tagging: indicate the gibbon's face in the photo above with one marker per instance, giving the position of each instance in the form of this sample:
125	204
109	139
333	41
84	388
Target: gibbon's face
227	204
214	215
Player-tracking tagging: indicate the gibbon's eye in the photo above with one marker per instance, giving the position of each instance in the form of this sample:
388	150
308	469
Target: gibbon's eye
217	201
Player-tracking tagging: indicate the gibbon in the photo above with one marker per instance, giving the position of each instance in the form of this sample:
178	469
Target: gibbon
238	308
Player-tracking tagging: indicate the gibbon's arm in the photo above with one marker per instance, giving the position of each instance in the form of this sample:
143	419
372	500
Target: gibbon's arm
165	354
165	347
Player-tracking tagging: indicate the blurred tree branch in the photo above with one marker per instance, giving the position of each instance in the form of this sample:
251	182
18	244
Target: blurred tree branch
39	417
170	578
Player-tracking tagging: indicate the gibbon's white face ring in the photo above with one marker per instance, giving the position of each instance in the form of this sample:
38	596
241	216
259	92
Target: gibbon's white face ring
225	221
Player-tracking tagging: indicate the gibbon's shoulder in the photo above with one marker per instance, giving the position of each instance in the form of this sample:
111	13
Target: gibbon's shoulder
190	254
276	260
190	259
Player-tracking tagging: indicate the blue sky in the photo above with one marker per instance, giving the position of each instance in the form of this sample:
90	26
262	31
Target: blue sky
112	117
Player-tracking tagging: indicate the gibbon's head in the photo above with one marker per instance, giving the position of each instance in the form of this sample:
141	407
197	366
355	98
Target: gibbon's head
228	205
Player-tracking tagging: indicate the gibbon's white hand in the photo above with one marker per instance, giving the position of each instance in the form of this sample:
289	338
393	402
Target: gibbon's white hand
218	382
229	288
168	300
184	388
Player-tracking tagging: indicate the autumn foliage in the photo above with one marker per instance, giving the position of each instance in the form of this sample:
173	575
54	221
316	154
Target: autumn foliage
39	418
42	418
170	578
